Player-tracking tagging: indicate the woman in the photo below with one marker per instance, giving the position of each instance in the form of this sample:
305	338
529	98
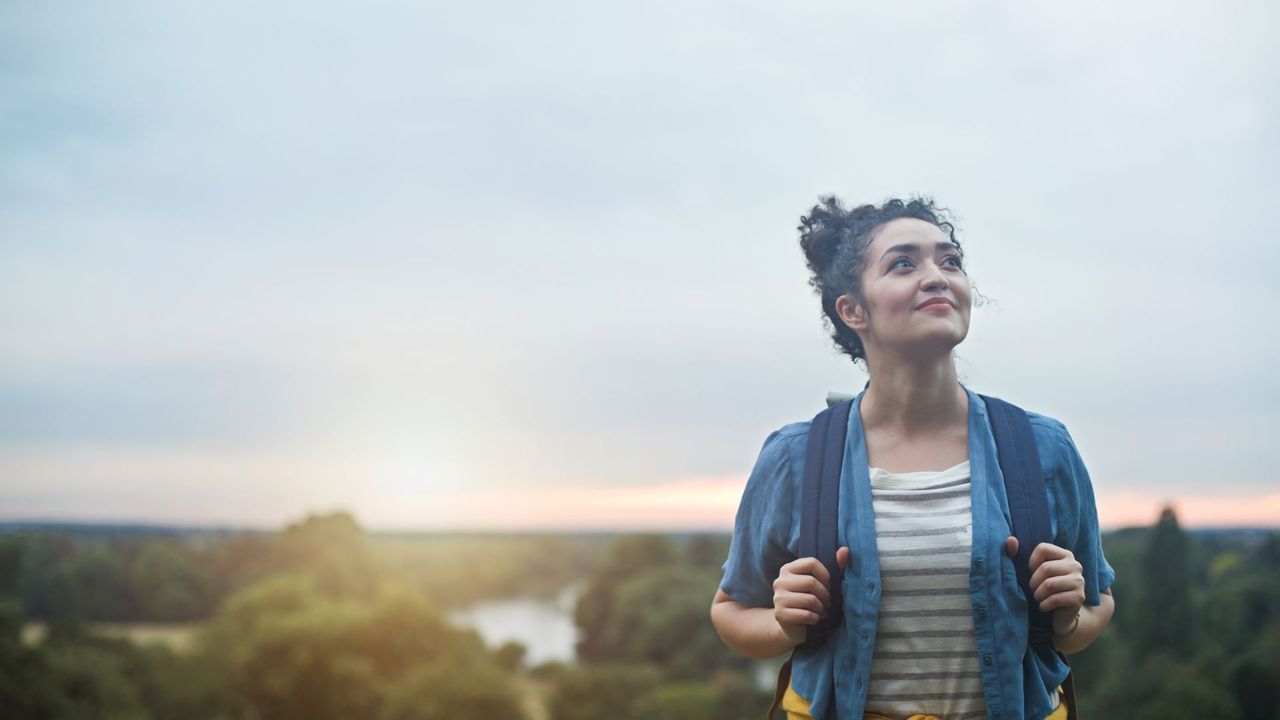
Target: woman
935	624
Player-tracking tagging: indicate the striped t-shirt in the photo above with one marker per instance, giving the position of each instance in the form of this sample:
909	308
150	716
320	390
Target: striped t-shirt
926	656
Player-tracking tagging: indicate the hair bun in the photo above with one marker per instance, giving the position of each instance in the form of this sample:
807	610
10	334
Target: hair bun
821	232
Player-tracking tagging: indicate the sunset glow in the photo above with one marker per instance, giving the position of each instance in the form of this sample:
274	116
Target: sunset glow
709	503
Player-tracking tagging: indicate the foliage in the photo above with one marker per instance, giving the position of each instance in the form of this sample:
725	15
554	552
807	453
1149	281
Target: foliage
662	617
292	650
510	656
638	692
1164	623
601	691
628	557
1150	665
443	690
723	698
324	620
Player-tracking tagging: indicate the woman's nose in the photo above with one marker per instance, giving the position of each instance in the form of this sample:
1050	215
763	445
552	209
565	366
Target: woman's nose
933	279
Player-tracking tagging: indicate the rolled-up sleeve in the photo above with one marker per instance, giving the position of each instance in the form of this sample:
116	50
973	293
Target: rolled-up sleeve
1076	512
761	530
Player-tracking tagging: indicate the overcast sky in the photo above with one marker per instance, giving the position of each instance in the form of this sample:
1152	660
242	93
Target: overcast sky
511	264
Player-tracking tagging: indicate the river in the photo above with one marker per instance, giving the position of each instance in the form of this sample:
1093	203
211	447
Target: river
544	626
546	629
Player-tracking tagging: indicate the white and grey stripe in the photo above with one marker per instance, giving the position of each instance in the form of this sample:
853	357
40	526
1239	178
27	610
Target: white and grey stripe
926	656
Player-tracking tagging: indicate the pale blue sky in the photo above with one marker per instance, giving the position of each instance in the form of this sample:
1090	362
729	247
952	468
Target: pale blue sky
414	258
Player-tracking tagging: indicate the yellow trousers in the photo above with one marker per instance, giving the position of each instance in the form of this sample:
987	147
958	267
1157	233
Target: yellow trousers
798	709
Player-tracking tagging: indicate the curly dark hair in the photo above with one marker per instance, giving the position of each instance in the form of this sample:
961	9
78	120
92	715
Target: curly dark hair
835	242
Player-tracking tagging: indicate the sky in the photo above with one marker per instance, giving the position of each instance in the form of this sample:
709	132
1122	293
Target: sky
535	265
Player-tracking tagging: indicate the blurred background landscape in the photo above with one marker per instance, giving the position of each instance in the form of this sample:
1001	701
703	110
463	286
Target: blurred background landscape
325	620
381	361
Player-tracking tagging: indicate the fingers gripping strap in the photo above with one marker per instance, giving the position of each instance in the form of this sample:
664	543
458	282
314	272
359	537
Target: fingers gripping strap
1028	501
820	505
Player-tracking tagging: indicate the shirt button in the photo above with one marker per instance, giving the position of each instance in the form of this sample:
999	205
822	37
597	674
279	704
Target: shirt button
859	683
871	586
982	612
978	562
986	660
865	635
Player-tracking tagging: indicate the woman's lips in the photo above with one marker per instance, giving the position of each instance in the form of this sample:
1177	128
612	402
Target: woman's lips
937	307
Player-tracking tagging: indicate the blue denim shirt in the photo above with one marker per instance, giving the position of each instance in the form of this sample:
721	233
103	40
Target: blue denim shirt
1017	681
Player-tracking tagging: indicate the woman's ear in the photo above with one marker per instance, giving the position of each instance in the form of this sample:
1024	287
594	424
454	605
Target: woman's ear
852	313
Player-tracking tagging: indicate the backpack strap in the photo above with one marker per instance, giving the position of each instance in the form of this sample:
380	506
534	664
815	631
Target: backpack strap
1019	464
1028	501
820	507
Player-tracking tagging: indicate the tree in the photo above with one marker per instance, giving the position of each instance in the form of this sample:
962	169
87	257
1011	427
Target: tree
332	550
1164	621
167	586
707	551
510	655
444	690
628	557
729	700
601	691
660	617
291	651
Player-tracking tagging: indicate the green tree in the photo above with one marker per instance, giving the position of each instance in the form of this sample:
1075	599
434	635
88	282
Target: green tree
602	691
444	690
730	699
1164	621
167	585
510	656
92	680
100	583
628	557
1188	693
660	617
332	550
184	685
1161	688
291	651
679	701
707	551
45	584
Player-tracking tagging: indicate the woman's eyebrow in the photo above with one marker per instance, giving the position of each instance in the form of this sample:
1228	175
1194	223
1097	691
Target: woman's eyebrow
912	248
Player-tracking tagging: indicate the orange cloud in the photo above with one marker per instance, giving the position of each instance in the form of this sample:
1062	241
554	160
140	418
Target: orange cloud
709	503
1126	508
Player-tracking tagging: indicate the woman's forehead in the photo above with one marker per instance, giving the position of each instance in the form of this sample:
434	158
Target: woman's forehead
909	230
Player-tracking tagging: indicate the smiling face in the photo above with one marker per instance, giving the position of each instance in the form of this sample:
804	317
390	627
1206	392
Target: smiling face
916	297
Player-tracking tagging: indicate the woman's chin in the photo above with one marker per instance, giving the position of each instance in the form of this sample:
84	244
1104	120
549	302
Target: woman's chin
940	344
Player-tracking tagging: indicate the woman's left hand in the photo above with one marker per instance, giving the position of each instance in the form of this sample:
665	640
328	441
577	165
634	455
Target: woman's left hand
1057	582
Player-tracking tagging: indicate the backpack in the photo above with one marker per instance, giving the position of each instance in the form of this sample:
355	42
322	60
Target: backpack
1024	486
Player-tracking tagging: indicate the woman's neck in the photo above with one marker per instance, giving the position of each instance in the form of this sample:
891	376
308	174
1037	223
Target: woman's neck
913	399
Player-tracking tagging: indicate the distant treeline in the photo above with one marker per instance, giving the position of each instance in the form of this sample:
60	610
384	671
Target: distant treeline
322	620
130	574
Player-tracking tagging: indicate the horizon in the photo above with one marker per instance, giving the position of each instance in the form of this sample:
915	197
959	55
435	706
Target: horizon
580	531
160	525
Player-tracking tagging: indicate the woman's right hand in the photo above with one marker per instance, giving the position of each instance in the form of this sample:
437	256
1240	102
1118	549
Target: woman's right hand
802	595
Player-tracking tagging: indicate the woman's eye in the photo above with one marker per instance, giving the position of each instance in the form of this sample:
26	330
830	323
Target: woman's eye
893	265
954	260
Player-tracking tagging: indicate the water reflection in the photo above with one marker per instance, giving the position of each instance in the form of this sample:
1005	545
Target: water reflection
544	626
